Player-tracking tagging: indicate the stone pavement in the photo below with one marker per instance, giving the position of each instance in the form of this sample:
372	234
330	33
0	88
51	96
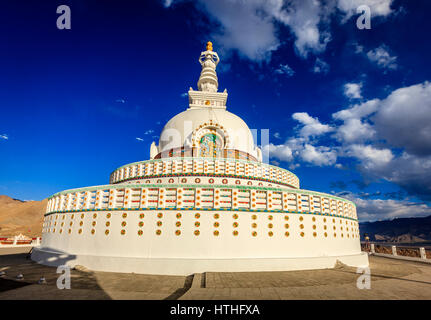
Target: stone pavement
390	279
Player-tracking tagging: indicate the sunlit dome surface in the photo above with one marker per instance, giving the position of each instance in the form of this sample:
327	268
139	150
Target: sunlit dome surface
178	132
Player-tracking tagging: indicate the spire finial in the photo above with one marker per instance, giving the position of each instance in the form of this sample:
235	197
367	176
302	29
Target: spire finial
208	60
209	46
207	95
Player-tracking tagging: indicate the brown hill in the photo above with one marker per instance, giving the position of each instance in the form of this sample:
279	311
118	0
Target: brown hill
18	216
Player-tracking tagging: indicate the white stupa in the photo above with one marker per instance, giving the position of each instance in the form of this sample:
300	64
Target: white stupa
204	202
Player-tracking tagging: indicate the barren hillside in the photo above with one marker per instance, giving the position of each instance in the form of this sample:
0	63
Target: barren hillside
18	216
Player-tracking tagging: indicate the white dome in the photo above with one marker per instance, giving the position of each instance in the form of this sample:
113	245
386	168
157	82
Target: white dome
183	129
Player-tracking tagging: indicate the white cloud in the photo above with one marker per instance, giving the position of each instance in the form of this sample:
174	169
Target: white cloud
354	130
120	101
404	119
320	66
304	18
285	69
4	137
388	139
246	26
299	149
378	7
139	139
401	120
370	156
281	152
277	135
184	95
410	172
320	156
251	27
382	58
353	90
150	131
358	111
384	209
312	126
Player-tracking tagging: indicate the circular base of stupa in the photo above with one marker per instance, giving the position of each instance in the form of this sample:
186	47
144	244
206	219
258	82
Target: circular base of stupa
171	266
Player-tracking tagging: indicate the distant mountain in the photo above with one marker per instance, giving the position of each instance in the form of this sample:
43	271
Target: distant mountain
17	216
402	230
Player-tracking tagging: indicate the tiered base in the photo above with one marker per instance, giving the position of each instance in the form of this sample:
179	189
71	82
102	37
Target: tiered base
190	266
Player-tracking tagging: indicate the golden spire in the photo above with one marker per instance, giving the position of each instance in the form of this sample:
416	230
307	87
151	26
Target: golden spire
209	46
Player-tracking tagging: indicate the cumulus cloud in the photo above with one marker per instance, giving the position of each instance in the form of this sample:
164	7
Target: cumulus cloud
358	111
4	137
388	139
383	209
353	90
370	156
304	18
410	172
354	130
252	27
281	152
285	69
378	7
320	156
298	149
404	119
382	58
311	126
246	26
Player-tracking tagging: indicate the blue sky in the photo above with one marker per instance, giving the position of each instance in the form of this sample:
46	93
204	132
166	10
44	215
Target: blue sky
349	110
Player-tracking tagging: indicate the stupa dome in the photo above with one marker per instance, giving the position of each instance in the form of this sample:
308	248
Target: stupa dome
187	129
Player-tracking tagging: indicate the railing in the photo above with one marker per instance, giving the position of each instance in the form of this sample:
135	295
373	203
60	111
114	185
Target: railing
423	253
217	197
17	242
217	167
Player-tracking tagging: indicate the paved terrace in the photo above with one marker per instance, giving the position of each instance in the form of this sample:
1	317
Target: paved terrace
390	279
